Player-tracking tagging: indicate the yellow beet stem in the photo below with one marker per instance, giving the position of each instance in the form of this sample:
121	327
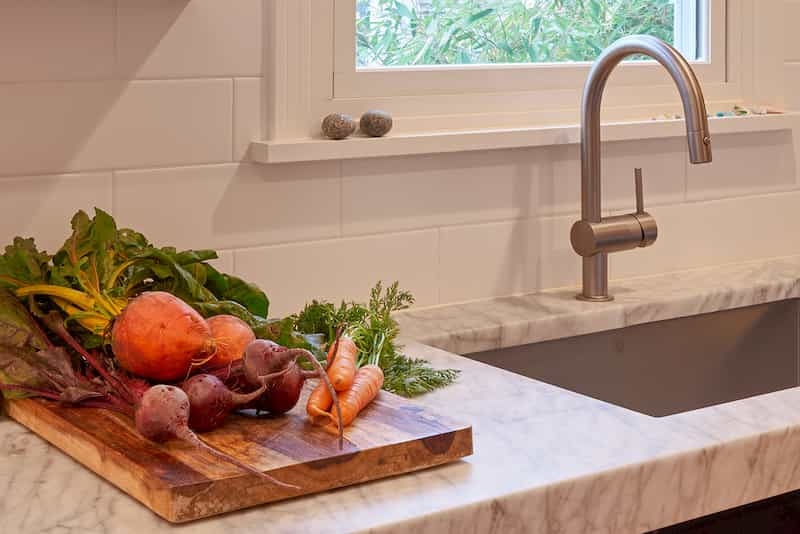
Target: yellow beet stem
109	304
118	272
93	322
76	298
66	306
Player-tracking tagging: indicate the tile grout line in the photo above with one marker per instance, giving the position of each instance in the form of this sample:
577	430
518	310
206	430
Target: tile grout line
114	193
233	120
439	274
117	78
439	229
97	170
115	30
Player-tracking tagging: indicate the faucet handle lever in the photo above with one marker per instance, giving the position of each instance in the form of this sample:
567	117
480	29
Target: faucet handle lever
646	221
639	191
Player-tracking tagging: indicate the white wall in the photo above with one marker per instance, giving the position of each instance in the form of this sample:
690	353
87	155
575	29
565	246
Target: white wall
145	108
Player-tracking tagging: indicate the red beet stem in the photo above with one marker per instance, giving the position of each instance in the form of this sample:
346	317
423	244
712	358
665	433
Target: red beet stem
183	433
245	398
58	327
296	353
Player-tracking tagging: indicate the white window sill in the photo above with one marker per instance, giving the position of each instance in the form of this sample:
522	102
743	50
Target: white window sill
297	150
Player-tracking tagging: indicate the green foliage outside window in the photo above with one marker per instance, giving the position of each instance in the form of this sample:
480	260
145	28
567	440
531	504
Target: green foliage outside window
448	32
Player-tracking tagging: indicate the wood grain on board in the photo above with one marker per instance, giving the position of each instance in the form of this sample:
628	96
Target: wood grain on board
180	483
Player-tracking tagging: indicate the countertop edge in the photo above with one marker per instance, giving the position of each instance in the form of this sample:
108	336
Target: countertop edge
495	323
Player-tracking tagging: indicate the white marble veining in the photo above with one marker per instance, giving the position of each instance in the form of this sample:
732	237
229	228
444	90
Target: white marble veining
546	460
512	321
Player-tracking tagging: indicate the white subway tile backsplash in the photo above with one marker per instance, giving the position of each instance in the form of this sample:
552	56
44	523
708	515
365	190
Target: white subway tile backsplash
456	189
42	206
791	17
661	160
225	261
151	104
716	232
293	274
745	165
792	75
481	261
486	260
189	39
56	40
58	127
388	194
559	266
246	115
230	206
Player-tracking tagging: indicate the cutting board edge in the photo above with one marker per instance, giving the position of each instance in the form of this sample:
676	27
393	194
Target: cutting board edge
464	433
168	499
159	492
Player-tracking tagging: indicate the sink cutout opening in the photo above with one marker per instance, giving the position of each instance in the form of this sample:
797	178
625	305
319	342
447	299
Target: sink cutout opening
672	366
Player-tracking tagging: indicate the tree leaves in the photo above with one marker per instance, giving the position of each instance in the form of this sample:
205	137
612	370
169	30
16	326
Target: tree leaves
403	33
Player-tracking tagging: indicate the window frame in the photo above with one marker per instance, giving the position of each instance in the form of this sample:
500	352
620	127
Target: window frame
353	82
301	78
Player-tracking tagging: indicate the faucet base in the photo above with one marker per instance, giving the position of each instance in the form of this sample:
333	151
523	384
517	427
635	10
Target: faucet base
601	298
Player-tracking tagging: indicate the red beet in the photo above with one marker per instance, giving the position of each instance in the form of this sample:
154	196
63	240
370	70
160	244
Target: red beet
269	364
284	391
163	414
211	401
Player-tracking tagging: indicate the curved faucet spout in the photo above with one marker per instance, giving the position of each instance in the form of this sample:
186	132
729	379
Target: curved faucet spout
694	105
595	267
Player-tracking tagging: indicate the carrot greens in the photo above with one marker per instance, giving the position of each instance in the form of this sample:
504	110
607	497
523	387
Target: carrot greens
374	331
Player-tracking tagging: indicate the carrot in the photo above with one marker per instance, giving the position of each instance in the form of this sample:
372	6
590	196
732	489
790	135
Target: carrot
342	365
320	400
367	383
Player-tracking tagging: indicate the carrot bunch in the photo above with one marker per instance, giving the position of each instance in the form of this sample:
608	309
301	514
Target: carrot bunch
358	386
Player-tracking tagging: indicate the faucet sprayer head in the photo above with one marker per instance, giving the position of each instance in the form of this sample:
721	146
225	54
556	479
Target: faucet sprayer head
700	147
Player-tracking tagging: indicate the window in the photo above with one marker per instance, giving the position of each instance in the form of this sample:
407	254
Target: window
483	66
403	33
393	48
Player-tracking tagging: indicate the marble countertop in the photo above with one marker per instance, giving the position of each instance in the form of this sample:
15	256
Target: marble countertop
512	321
546	460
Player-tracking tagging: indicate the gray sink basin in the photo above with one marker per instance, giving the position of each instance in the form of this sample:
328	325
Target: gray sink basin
670	366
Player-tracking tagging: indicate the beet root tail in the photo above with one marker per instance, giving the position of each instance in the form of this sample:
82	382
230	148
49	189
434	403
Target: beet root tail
192	438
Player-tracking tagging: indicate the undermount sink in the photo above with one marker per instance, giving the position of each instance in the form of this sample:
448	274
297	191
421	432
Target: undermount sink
672	366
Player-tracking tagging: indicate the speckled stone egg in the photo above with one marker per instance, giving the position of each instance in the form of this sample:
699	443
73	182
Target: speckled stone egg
376	123
338	126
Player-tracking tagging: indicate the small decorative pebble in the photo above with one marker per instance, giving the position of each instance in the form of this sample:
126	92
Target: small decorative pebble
376	123
338	126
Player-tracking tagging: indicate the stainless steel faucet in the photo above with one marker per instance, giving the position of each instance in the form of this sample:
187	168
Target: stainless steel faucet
593	237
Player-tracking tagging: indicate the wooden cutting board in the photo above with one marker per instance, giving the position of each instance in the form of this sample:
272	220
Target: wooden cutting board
179	483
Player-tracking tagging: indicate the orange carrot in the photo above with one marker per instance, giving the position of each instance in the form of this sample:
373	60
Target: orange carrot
320	400
342	366
367	383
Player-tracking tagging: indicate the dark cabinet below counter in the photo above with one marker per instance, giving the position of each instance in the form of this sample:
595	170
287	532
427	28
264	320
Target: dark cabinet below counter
779	515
